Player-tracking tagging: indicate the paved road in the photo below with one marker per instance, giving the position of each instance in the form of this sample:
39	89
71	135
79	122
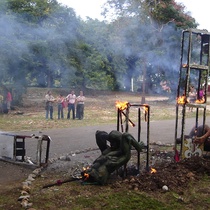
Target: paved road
71	139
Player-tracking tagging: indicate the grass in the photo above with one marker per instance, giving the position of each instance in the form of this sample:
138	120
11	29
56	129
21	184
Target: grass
99	109
90	197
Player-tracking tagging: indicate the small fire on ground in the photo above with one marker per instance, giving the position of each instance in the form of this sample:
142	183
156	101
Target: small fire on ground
85	175
153	171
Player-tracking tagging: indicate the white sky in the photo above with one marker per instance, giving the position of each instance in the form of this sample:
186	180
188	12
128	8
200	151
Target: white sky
84	8
200	9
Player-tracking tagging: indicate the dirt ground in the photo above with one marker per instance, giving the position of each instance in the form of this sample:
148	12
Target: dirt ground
12	174
175	175
167	173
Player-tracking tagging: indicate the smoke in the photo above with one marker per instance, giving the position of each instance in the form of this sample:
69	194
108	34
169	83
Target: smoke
152	47
46	48
40	46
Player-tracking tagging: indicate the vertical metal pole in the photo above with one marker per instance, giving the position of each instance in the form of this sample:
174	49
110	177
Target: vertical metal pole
148	134
39	152
178	89
127	118
139	133
14	148
47	150
118	119
121	122
187	81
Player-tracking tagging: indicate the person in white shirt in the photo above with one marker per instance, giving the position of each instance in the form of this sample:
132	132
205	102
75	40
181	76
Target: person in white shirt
71	98
49	104
80	105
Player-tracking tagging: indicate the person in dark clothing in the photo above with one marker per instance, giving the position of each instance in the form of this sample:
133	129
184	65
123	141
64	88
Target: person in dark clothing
71	99
80	101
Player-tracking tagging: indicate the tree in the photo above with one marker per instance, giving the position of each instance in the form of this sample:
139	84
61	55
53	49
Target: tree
147	30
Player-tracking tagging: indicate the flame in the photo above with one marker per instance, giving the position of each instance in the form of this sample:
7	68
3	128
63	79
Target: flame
85	174
121	105
182	100
146	110
153	171
200	101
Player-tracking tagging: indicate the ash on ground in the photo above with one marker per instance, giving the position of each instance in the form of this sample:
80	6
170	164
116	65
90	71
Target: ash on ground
168	174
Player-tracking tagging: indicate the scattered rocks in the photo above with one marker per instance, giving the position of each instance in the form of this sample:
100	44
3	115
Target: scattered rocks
170	176
165	188
24	199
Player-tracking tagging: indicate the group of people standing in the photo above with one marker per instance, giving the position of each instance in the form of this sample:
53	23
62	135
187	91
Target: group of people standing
75	104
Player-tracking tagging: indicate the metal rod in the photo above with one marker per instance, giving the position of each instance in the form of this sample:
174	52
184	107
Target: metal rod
118	119
121	123
127	119
59	182
139	133
132	123
148	135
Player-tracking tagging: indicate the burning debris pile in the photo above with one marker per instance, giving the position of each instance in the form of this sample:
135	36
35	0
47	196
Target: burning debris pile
168	176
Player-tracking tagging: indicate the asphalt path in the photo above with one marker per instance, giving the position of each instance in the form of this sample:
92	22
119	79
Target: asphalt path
66	140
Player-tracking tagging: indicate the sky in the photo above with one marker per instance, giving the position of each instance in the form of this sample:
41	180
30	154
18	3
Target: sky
199	9
84	8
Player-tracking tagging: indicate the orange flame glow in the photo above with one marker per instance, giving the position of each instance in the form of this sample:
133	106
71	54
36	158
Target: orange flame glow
121	105
182	100
146	110
153	171
85	175
200	101
184	65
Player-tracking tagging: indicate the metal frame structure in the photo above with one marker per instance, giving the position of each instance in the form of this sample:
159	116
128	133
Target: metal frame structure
128	122
20	151
194	64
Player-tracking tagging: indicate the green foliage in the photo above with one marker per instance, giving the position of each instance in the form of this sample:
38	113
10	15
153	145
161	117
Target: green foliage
168	10
53	47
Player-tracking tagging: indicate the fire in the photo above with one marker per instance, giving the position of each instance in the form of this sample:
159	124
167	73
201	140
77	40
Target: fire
146	110
182	100
153	171
85	174
200	101
121	105
184	65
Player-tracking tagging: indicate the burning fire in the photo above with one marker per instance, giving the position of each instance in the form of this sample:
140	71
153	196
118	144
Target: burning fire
153	171
200	101
146	110
121	105
182	100
85	174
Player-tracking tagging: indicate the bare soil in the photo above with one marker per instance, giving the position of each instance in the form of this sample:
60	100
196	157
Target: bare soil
175	175
12	174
